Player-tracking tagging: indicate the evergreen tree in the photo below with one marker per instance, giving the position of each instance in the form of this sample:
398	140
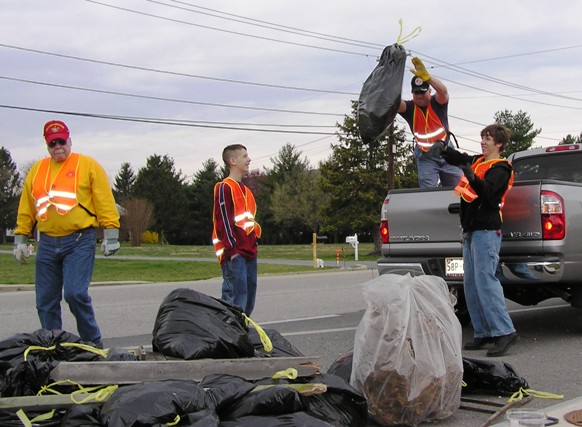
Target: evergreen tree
522	131
571	139
159	183
10	187
356	179
124	182
200	201
288	168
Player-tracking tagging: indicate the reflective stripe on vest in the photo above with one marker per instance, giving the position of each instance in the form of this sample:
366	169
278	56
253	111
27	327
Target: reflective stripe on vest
480	168
60	191
427	128
245	208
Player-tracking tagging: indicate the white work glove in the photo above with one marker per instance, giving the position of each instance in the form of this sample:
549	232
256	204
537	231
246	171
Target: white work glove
20	248
110	244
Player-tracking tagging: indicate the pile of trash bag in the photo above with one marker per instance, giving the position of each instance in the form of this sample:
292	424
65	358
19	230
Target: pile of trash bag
189	325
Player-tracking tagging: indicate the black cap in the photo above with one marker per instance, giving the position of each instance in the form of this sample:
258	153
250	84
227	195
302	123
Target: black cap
418	86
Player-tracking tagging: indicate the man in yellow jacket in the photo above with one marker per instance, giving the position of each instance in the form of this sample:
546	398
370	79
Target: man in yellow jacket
66	196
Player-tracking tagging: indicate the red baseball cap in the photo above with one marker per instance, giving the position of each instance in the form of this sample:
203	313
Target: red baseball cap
55	129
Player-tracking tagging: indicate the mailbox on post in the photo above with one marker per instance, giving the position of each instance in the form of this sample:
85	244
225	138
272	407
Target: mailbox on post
353	240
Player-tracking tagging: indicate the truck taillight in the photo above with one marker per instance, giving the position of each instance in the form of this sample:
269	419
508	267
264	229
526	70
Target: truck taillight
384	230
553	216
384	235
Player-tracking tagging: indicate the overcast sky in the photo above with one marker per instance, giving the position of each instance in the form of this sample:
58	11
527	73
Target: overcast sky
293	66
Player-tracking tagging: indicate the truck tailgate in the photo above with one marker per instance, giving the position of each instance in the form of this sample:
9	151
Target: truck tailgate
426	222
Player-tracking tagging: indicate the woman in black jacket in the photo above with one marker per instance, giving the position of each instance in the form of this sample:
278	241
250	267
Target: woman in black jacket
487	179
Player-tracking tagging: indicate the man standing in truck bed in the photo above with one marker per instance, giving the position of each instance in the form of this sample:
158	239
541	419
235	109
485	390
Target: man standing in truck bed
427	117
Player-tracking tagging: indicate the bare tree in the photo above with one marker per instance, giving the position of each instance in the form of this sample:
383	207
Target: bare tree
137	218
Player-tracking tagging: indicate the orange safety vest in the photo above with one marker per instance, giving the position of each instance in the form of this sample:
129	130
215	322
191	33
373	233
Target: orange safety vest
245	208
427	128
480	168
60	191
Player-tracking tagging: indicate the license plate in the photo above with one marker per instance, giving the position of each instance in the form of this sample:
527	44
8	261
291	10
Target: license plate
454	267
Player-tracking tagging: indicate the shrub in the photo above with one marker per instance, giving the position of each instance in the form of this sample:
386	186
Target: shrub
150	237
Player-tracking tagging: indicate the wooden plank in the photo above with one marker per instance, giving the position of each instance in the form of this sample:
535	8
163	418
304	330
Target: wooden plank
137	371
41	403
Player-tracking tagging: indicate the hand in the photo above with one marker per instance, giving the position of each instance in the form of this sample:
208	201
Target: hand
20	248
110	244
420	70
469	174
436	149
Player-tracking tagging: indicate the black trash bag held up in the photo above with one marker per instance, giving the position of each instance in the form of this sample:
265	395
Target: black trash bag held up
381	93
491	377
191	325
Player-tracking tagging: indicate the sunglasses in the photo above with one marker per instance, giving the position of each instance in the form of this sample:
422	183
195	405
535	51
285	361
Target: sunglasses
54	143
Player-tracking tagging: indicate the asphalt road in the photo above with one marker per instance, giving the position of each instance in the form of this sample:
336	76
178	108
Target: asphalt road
319	314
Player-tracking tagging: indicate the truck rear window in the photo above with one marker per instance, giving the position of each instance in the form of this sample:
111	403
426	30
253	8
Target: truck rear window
563	167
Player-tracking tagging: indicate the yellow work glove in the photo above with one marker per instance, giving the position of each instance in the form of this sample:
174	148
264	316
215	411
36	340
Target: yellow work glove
419	70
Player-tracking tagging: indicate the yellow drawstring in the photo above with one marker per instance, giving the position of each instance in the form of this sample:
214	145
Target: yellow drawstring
289	373
267	344
99	351
27	422
86	347
175	422
518	395
414	33
37	347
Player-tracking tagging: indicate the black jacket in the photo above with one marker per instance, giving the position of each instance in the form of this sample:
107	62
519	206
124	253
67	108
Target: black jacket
484	212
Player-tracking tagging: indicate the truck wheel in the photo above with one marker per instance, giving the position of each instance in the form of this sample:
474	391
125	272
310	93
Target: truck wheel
461	310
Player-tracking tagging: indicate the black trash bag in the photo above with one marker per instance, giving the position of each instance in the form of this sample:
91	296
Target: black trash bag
340	405
281	346
274	400
191	325
153	403
491	377
296	419
28	378
223	390
12	349
342	366
381	93
9	418
86	415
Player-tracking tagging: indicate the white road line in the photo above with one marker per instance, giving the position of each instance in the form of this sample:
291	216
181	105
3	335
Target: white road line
319	331
299	319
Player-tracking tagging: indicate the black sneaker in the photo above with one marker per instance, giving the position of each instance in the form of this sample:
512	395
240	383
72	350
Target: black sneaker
477	344
502	344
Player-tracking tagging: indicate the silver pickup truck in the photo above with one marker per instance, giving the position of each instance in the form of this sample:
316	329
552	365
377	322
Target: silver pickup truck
541	249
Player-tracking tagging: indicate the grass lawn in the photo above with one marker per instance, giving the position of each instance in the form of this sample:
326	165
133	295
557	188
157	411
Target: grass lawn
115	269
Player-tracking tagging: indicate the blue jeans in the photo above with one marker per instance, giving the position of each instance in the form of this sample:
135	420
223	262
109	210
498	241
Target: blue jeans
239	285
66	263
483	292
431	169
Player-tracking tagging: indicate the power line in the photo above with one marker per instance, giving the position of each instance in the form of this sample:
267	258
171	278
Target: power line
271	26
173	122
227	31
157	98
173	73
